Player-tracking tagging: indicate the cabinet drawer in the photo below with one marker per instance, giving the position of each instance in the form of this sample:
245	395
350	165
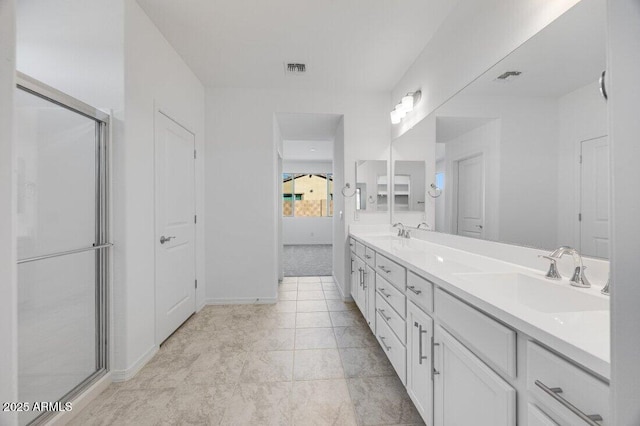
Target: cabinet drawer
370	257
391	317
420	291
587	393
391	271
396	352
487	338
535	417
392	295
360	249
352	245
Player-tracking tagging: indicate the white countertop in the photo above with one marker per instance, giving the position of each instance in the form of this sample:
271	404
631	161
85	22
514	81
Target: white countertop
579	331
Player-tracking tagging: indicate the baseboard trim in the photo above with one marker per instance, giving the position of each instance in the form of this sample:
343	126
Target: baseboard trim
341	290
242	301
124	375
81	401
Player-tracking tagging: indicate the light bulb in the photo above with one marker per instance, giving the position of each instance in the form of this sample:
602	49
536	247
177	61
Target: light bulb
401	112
395	117
407	103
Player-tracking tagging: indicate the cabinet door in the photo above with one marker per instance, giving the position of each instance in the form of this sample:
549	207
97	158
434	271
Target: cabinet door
419	378
370	291
535	417
358	290
467	391
355	275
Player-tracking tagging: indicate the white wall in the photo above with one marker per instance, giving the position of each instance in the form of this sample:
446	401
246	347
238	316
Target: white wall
624	128
155	77
241	243
307	230
81	54
341	252
582	115
8	288
453	58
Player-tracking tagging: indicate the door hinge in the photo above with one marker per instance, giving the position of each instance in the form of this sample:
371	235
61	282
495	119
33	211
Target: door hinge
196	284
195	218
195	154
580	159
579	217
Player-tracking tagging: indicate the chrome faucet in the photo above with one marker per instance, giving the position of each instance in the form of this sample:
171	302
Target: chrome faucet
426	226
607	288
402	230
579	279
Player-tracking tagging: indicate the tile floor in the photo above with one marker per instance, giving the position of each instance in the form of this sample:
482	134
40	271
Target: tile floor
310	359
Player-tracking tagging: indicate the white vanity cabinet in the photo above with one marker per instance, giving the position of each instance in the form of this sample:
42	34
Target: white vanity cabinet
461	362
358	283
370	296
466	390
363	279
564	392
419	363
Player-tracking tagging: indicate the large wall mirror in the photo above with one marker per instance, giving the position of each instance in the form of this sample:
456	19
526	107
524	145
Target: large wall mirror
521	154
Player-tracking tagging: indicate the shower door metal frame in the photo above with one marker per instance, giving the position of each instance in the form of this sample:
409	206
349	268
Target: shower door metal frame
102	243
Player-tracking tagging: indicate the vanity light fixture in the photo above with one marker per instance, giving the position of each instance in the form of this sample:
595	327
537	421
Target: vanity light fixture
406	105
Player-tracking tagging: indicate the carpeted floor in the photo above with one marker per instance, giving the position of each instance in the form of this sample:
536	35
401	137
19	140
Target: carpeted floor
308	260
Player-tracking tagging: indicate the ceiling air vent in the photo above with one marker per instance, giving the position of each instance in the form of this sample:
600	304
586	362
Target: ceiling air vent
295	69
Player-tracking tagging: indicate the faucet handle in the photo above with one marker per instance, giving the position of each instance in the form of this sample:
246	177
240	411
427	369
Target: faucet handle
552	273
579	279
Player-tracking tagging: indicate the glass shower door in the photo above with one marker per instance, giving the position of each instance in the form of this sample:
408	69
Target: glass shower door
62	245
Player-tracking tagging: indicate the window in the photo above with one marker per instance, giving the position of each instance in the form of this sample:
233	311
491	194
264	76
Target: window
307	194
440	180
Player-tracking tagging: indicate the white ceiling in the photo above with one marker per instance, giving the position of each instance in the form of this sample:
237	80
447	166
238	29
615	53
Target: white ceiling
568	54
346	44
301	150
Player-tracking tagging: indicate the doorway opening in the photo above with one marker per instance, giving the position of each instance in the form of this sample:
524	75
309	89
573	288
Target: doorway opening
306	173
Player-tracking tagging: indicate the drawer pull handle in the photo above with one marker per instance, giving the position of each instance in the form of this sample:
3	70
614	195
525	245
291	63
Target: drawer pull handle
367	256
381	312
388	271
387	348
413	289
381	290
590	419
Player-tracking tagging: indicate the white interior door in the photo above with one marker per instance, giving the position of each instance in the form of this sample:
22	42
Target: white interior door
175	225
470	208
594	196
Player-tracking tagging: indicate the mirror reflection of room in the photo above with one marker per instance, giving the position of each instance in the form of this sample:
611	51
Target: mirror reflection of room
408	186
372	186
521	154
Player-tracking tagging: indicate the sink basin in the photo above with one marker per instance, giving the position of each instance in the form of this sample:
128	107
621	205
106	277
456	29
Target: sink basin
538	294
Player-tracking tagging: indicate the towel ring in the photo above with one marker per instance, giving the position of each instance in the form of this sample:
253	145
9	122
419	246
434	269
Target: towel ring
348	186
438	191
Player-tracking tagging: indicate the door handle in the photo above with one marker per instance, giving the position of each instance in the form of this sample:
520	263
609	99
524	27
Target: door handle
434	372
164	239
421	332
479	226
